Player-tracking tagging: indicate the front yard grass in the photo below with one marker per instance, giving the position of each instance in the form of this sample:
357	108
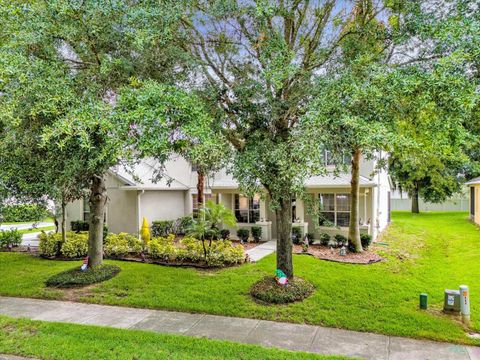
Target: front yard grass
66	341
426	253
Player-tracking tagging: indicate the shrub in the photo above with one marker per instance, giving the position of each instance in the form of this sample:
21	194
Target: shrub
10	238
76	277
193	251
76	246
118	246
341	240
325	239
243	234
162	228
182	225
269	291
366	240
223	253
24	212
257	233
296	235
162	248
311	238
351	247
80	225
50	244
225	234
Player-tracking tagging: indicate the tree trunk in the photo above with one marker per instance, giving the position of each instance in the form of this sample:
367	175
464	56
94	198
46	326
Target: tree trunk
64	220
354	227
284	237
200	187
98	200
414	196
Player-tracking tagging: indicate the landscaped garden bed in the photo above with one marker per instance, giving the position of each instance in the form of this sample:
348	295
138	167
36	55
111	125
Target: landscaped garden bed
333	254
170	250
338	249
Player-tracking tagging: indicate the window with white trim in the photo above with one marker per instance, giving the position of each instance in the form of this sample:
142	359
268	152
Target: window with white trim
334	209
247	210
206	197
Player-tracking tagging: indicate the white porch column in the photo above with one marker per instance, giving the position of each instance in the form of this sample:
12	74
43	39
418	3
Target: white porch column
188	202
300	209
374	218
263	210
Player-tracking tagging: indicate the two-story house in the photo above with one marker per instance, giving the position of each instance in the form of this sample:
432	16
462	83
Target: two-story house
175	195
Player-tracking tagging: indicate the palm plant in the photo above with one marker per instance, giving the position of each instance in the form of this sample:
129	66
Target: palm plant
207	225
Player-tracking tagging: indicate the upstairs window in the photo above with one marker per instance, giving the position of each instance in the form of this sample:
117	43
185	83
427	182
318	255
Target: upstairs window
330	160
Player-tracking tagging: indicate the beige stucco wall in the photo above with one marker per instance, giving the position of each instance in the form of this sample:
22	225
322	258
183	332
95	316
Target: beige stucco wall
121	208
121	212
74	211
162	205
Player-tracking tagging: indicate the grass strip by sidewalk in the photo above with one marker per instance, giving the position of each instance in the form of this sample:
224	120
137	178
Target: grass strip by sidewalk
59	341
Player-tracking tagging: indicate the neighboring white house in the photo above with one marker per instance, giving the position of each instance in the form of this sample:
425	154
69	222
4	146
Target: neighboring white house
175	195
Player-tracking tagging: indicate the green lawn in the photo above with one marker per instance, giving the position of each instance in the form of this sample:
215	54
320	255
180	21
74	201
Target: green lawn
427	253
66	341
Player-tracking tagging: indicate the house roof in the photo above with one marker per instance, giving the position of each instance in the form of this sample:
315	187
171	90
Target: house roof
142	175
474	181
321	181
335	180
176	176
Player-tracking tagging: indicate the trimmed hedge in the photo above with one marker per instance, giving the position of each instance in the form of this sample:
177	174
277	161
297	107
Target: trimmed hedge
80	226
76	277
24	212
165	249
118	246
10	238
267	290
219	253
243	234
75	247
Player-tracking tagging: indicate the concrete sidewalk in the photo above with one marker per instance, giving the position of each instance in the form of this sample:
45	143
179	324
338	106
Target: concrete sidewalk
309	338
260	251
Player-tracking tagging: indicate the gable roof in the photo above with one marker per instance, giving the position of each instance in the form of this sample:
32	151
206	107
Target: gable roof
330	180
474	181
336	180
143	179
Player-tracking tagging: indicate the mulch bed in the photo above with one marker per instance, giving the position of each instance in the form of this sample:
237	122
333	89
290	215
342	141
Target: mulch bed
326	253
247	246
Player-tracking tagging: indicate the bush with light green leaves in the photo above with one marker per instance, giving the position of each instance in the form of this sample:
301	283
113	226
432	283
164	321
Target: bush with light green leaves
118	246
50	244
76	246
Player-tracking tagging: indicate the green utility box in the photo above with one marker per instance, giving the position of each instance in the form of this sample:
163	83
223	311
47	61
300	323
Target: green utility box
451	301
